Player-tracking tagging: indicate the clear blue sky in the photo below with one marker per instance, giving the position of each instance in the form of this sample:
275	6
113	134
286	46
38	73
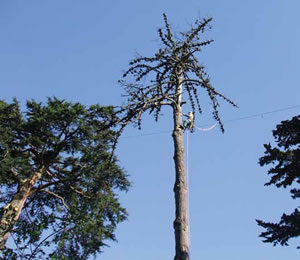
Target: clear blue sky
77	50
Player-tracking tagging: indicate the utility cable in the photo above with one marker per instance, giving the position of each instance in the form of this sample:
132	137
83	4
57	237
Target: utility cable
226	121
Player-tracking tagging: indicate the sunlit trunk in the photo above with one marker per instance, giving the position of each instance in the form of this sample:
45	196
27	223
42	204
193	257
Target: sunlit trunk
13	210
181	222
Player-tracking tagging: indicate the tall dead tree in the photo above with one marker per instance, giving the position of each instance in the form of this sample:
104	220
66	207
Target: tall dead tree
176	75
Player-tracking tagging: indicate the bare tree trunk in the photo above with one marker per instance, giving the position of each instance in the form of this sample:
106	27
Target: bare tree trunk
181	222
13	210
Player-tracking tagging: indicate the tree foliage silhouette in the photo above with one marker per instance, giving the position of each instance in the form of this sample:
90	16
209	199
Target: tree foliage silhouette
58	179
176	77
285	172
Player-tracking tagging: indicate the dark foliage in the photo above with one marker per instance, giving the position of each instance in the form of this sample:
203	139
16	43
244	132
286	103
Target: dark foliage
72	208
285	171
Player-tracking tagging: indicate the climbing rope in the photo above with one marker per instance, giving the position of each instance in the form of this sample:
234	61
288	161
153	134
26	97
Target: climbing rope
206	129
188	177
188	187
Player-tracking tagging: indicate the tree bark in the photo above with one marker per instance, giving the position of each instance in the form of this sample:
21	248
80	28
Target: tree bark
181	222
13	209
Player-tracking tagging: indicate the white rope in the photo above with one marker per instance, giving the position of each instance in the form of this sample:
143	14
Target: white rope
188	188
206	129
188	180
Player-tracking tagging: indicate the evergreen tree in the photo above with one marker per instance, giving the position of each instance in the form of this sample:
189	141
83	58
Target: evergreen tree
175	78
58	180
285	172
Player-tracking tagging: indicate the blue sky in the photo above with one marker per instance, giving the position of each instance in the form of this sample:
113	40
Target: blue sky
77	50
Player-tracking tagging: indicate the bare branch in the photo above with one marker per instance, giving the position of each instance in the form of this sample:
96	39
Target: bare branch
44	240
57	196
169	35
16	175
80	192
175	65
42	187
4	156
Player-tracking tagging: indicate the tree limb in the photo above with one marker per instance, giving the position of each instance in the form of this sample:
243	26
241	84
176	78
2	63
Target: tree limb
80	192
16	175
57	196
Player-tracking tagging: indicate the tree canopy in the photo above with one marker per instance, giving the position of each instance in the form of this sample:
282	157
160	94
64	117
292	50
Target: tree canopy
58	179
285	172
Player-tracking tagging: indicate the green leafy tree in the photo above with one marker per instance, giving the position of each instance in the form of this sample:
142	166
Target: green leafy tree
58	179
175	77
285	172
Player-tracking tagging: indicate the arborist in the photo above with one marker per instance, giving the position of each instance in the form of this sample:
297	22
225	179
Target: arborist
189	123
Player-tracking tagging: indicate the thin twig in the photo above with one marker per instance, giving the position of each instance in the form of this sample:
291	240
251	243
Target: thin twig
31	224
32	255
19	250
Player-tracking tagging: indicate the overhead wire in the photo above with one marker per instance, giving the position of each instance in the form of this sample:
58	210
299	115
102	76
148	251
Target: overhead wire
225	121
207	129
187	159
